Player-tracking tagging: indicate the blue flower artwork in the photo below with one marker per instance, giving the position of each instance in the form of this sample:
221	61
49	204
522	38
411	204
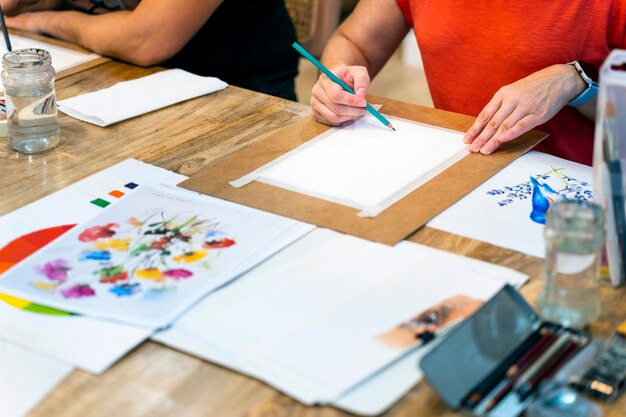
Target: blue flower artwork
541	191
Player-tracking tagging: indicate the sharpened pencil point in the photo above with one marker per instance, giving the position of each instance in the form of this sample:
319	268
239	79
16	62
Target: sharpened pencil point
391	127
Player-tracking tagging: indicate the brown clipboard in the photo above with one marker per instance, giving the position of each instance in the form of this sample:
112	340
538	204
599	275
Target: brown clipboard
390	226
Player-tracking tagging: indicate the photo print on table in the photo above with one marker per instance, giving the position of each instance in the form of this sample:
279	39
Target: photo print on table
430	321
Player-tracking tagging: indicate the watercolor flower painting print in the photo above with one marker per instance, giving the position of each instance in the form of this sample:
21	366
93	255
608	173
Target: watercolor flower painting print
135	256
148	257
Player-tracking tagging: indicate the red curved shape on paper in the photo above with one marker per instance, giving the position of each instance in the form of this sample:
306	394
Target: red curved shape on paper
24	246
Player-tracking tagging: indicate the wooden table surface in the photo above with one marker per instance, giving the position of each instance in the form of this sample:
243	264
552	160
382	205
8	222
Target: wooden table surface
154	380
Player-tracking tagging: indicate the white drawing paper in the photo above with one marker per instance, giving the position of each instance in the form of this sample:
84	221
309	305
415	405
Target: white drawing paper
306	320
62	58
95	344
365	165
145	260
26	378
509	209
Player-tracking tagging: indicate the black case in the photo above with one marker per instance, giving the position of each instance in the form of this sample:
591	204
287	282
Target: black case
474	357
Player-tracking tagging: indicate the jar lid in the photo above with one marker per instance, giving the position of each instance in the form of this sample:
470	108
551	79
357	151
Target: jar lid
28	59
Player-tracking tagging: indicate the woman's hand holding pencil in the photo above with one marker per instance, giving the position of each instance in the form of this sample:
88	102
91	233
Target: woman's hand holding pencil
336	105
331	104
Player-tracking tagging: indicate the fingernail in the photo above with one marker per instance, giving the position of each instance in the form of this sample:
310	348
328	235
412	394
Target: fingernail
466	138
486	151
361	92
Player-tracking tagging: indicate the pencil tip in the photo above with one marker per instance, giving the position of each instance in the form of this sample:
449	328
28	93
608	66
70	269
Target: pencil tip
391	127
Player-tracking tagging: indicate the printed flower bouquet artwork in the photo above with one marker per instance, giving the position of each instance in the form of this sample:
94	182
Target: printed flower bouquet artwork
141	260
143	257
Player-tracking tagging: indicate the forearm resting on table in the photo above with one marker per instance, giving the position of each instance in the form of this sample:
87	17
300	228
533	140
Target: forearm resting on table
118	34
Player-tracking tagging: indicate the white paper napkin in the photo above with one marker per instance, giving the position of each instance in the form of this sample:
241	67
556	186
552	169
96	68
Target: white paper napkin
132	98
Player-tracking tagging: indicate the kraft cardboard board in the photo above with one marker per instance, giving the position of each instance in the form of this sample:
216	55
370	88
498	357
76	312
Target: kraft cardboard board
389	227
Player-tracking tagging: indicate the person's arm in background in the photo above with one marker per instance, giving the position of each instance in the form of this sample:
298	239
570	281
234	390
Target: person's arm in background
358	49
521	106
14	7
153	32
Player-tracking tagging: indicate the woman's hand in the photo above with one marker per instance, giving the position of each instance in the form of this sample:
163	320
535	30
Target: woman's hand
519	107
332	105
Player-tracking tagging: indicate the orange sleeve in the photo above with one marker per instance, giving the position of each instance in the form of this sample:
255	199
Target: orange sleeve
405	7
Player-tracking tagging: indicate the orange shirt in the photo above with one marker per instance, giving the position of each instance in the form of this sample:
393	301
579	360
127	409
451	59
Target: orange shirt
471	48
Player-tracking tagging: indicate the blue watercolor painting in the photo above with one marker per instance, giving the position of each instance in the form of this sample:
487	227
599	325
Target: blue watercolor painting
541	191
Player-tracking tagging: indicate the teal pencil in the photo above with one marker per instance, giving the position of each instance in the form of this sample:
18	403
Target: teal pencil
337	80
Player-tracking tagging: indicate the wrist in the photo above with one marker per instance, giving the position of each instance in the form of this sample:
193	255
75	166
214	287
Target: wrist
574	84
588	76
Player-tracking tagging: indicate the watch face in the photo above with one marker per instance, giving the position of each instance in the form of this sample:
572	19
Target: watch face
590	70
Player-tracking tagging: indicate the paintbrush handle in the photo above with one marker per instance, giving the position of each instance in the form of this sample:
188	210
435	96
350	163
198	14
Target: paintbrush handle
549	369
522	364
5	31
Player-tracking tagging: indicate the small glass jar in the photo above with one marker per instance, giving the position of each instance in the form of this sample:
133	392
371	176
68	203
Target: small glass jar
32	120
575	238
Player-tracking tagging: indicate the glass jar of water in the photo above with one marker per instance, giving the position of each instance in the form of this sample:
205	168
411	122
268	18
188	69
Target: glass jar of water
32	121
575	237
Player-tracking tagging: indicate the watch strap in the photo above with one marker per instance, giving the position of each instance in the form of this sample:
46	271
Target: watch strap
589	93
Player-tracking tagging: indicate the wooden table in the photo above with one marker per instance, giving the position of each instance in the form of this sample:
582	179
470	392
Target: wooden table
154	380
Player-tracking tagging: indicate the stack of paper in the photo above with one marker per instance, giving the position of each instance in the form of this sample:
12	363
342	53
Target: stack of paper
324	320
96	343
311	320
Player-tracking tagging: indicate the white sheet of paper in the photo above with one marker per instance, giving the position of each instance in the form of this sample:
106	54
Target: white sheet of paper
365	165
378	393
132	98
62	58
499	211
91	344
307	325
26	378
145	260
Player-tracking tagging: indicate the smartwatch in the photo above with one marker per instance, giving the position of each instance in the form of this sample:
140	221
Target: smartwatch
589	74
